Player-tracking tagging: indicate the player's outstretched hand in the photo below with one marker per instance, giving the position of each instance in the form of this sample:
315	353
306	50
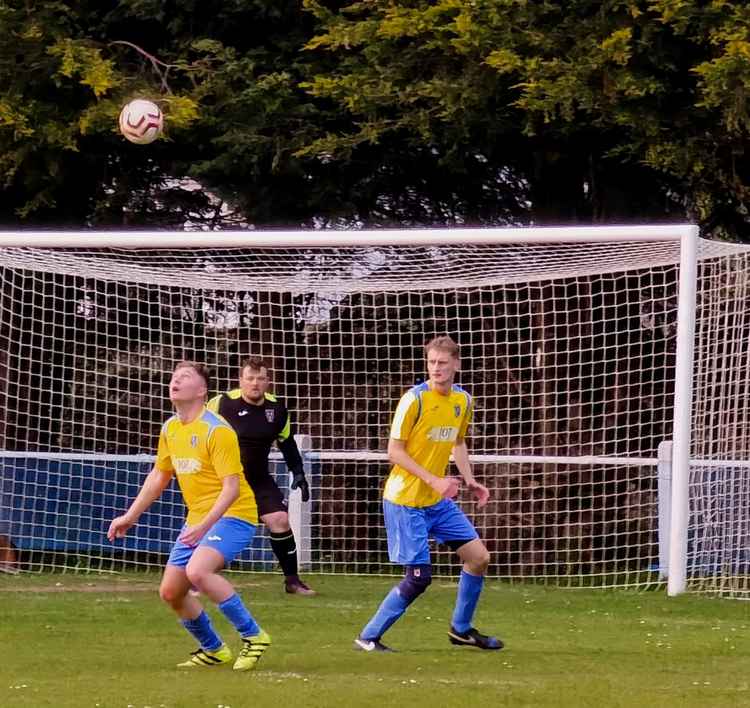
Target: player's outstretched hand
447	487
119	527
481	493
299	482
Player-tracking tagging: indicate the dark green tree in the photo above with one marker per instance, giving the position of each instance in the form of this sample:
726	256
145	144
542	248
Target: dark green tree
615	111
340	113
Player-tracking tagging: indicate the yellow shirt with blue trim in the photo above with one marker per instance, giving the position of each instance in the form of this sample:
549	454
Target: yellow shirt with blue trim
201	453
430	423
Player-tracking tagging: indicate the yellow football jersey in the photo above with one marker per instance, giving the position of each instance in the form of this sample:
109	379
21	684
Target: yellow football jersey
200	454
430	423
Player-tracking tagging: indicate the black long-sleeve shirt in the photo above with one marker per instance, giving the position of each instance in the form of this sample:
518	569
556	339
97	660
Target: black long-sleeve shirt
257	428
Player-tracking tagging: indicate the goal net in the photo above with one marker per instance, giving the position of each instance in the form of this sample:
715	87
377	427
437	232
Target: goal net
718	549
569	346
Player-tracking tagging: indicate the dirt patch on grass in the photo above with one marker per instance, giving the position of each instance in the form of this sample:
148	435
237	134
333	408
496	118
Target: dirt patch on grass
96	586
82	587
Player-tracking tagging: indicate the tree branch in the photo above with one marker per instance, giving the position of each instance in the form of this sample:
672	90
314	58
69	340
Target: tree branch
161	69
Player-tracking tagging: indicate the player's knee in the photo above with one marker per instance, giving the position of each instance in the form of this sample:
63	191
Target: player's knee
170	594
482	561
416	581
277	522
196	576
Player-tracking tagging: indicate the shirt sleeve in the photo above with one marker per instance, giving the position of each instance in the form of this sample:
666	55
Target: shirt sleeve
163	455
468	417
214	403
287	444
224	450
405	416
286	430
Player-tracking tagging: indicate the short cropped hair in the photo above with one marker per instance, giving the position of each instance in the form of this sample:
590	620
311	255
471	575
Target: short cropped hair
443	344
201	369
256	363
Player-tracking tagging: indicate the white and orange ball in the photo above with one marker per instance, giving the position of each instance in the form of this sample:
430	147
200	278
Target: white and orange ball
141	121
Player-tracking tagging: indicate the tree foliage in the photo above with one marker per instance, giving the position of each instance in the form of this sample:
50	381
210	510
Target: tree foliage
627	109
411	112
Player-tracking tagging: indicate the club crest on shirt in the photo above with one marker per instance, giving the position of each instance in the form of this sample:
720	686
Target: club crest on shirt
270	414
194	441
457	410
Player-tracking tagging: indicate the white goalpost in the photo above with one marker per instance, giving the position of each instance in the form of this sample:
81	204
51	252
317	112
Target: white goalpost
609	366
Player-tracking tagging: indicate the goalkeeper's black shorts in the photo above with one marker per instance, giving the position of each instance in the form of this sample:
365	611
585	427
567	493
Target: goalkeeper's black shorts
268	496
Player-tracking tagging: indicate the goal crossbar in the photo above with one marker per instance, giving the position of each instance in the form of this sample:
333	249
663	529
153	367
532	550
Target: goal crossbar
350	239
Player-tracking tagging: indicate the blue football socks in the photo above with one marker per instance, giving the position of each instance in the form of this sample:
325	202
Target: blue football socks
202	629
469	590
235	611
389	611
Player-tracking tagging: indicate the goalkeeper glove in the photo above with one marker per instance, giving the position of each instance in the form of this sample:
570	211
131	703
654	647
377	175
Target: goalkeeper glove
299	482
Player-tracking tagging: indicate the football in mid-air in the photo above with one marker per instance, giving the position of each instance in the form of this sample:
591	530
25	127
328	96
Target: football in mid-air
141	121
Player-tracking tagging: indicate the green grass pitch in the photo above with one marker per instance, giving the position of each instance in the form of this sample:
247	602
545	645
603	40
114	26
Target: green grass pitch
95	641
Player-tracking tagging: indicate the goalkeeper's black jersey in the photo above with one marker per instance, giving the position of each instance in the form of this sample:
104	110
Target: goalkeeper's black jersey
257	428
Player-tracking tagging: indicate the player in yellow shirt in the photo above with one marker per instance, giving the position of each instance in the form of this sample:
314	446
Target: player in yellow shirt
201	450
430	422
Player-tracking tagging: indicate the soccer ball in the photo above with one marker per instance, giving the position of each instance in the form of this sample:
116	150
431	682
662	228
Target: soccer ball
141	121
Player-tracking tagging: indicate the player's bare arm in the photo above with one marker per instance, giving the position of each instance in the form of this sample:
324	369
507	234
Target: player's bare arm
461	458
447	487
230	492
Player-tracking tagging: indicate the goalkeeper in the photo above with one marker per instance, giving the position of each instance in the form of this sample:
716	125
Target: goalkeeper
260	419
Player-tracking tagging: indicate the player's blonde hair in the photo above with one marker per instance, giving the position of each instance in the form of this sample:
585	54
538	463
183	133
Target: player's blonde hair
443	343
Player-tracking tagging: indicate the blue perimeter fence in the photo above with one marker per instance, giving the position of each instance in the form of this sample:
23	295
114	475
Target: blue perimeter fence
65	506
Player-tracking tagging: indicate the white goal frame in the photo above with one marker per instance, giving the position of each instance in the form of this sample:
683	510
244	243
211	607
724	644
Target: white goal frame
686	235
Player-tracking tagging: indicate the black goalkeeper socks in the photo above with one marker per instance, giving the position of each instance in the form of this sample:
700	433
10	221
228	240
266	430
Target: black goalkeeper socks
285	548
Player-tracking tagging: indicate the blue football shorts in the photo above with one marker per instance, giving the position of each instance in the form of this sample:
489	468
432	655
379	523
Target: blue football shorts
409	527
228	535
